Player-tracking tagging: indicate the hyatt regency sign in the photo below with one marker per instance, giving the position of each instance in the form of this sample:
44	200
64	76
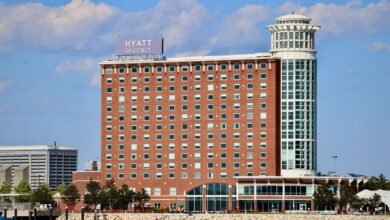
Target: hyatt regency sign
139	47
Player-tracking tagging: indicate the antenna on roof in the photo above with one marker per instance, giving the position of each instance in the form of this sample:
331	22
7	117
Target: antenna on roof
55	144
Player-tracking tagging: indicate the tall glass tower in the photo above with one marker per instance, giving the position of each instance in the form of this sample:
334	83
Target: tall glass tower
293	40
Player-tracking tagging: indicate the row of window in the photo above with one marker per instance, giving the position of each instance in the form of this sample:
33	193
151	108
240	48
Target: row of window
293	40
172	117
159	156
186	68
197	136
184	107
196	97
172	88
184	175
273	190
210	126
183	166
147	79
185	146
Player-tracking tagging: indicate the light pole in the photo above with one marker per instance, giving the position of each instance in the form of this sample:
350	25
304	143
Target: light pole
334	163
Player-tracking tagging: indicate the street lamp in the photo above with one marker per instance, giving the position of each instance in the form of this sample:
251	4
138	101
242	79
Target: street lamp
334	163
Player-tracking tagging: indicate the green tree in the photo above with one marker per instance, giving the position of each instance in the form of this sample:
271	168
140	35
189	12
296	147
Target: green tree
108	195
125	196
356	203
323	198
92	190
71	194
4	189
23	188
61	188
103	199
42	195
373	202
347	195
142	197
376	183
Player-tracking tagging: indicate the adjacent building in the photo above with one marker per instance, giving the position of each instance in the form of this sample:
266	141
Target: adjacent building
45	164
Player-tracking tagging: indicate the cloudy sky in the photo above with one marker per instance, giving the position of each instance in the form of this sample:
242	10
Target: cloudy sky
49	77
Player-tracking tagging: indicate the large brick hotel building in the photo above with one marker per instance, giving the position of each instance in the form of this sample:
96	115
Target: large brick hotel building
190	129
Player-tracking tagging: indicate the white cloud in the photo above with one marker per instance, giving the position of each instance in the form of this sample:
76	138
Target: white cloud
87	66
34	25
181	23
240	28
380	47
4	85
352	17
83	24
186	25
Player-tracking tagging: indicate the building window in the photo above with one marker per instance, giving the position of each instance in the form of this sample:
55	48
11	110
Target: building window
197	67
172	191
157	192
109	70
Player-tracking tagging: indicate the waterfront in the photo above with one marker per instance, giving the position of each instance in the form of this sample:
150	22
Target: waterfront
159	216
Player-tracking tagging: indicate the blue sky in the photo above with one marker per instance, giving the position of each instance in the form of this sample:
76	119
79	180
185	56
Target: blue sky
49	77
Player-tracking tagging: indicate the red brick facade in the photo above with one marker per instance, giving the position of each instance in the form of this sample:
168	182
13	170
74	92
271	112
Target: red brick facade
169	126
80	179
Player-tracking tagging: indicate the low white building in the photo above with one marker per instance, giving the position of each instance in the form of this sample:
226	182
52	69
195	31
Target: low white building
385	195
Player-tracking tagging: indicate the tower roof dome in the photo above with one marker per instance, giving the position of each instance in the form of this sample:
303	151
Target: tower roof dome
293	18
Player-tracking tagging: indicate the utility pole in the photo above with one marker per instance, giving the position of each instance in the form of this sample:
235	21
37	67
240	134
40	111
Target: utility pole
334	163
